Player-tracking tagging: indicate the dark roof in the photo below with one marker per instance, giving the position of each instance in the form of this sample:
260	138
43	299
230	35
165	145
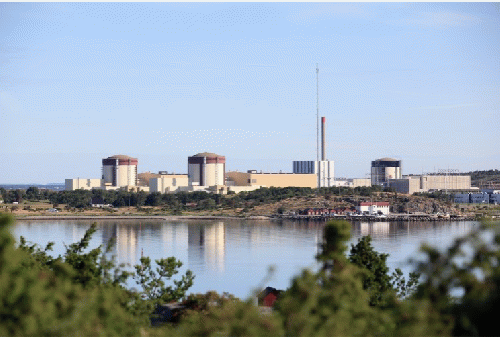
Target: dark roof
207	154
386	159
120	156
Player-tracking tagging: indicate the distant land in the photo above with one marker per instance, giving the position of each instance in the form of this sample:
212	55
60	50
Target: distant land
51	186
481	178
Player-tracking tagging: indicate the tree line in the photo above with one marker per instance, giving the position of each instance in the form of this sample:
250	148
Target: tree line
178	201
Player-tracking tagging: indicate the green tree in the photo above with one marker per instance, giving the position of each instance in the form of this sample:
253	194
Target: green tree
376	278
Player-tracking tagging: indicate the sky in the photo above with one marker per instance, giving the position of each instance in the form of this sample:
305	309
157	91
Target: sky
79	82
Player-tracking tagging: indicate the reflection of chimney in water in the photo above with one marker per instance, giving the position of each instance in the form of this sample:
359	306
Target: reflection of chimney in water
323	139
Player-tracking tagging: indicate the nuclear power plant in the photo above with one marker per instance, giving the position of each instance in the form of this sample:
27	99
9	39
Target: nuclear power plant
384	169
206	171
119	171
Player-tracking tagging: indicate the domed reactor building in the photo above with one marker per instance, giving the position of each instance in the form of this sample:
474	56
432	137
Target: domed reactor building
384	169
206	169
119	171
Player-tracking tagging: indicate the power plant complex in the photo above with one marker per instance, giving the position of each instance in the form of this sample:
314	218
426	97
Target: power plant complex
206	171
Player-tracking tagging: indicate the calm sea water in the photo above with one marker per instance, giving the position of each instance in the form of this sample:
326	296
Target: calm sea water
235	255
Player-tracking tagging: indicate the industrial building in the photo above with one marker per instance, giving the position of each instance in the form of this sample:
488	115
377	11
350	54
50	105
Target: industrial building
119	171
352	182
430	182
484	197
206	169
81	184
384	169
252	178
323	169
168	183
373	208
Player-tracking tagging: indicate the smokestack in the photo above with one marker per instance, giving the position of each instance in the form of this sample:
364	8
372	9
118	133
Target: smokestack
323	139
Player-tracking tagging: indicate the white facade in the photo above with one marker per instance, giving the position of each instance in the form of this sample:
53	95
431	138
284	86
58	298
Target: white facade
206	169
352	182
373	208
384	169
324	168
85	184
213	174
168	183
119	171
126	175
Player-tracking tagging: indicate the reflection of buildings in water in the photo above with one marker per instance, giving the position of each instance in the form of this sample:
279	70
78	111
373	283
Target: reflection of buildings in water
108	233
374	228
206	245
126	243
174	241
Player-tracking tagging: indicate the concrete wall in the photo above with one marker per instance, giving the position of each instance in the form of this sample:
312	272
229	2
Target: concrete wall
206	174
120	175
273	179
380	175
326	170
405	185
168	183
326	173
86	184
443	182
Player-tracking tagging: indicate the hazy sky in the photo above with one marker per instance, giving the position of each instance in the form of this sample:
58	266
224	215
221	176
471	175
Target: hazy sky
82	81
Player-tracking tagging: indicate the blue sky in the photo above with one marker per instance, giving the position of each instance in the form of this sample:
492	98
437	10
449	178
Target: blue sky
160	82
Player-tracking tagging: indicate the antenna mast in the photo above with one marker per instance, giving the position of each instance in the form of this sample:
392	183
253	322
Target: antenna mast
317	112
317	127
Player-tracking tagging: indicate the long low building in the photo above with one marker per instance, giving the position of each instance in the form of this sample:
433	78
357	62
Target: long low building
82	184
252	178
426	183
353	182
168	183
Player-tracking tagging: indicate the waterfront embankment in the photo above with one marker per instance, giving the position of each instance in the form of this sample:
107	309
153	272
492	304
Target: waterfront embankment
140	217
375	218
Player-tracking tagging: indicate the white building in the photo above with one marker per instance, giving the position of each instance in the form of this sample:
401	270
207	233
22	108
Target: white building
384	169
373	208
84	184
353	182
119	171
206	169
168	183
324	168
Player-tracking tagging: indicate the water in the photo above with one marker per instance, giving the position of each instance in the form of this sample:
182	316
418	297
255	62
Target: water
235	255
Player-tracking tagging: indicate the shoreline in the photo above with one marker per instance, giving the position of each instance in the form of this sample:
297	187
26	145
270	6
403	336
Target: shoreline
141	217
399	217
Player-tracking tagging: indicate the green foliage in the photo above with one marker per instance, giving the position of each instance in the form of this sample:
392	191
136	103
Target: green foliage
230	318
82	292
376	278
47	302
153	284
